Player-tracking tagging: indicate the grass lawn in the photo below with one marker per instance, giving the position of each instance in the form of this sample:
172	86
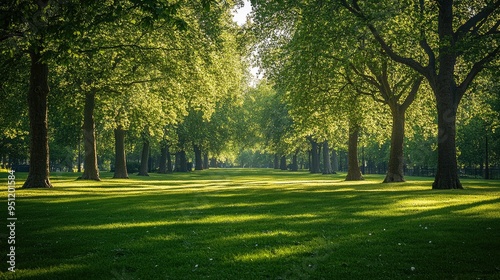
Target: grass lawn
252	224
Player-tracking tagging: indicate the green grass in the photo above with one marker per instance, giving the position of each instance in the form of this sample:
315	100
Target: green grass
253	224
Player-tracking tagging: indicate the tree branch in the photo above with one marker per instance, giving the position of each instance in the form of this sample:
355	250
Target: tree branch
11	35
133	46
413	94
476	68
473	21
430	53
361	92
356	10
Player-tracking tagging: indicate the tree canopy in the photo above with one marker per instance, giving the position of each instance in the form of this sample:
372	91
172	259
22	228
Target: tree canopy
352	86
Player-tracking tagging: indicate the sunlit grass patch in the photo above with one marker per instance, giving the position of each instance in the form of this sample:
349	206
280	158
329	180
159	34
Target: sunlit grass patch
255	224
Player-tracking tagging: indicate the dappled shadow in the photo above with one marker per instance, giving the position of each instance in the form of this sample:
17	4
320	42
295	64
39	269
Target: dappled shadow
278	226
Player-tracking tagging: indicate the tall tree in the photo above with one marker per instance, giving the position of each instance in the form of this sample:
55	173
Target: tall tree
451	34
90	168
46	30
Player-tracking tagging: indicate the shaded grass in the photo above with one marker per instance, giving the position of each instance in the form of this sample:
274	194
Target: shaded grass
254	224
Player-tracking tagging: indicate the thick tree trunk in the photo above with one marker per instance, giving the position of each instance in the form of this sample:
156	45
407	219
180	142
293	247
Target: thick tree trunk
120	157
447	168
90	168
283	163
38	176
353	172
314	157
447	97
198	159
395	172
276	161
143	169
213	162
327	166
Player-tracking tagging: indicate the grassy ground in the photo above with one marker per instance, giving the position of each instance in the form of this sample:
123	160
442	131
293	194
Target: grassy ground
253	224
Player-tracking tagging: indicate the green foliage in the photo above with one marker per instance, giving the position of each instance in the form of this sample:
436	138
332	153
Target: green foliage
14	136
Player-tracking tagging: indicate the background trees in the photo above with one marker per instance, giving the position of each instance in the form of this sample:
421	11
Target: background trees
458	40
171	78
432	40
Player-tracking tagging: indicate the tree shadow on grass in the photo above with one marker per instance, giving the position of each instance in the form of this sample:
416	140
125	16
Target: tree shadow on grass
257	231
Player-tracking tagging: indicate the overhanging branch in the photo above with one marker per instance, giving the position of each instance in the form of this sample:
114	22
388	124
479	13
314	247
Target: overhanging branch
476	68
356	10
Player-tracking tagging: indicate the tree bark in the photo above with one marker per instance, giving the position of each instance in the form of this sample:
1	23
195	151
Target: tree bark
395	172
90	166
120	156
38	176
447	168
213	162
143	169
283	163
198	161
314	157
353	171
327	166
447	97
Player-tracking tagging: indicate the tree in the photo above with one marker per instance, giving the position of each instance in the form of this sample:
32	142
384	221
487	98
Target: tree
90	168
44	30
35	28
450	34
14	137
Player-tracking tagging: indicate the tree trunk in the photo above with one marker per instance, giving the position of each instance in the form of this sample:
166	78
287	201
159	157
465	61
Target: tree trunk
79	161
335	161
353	172
38	176
327	166
295	164
163	158
283	163
169	161
198	159
486	158
182	164
176	162
90	166
314	157
447	97
213	162
143	169
276	161
447	168
120	157
395	172
205	161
